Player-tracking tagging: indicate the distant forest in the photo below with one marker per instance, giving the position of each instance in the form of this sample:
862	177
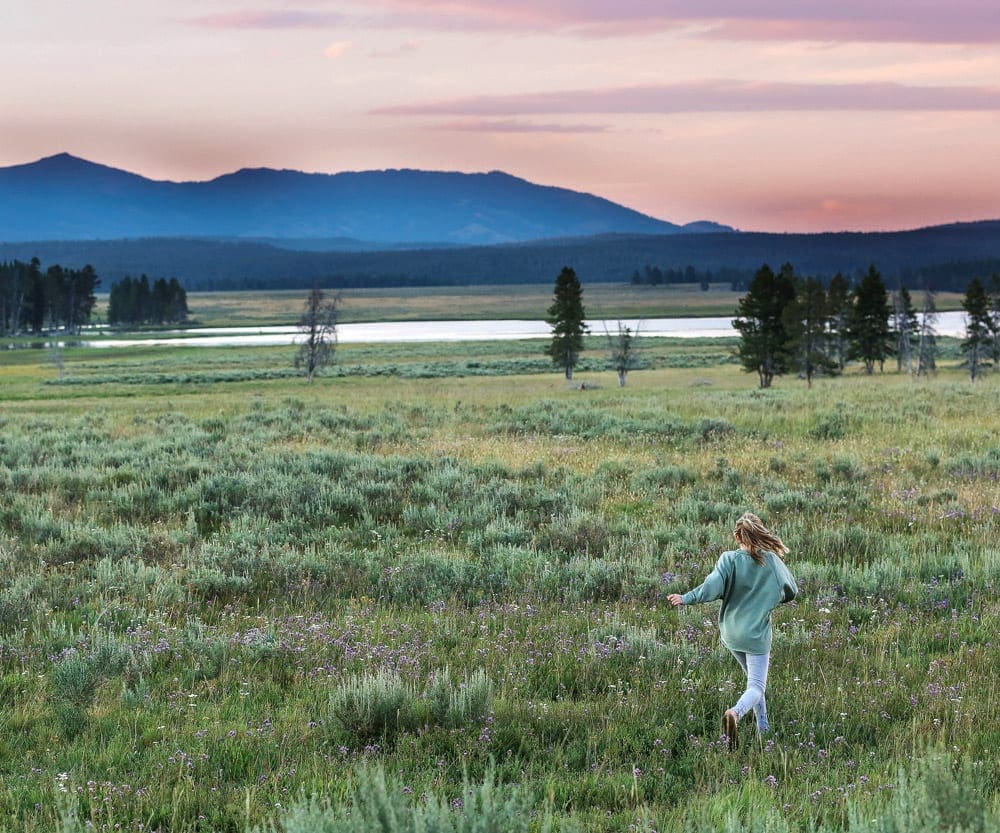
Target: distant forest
942	258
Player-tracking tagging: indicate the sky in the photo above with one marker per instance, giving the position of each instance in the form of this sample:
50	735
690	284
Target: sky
771	115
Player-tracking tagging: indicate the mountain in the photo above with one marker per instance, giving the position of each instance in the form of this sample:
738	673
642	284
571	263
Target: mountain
946	257
65	198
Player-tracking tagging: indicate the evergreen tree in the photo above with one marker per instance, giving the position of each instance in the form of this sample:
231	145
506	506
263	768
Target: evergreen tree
764	343
838	301
117	301
178	310
806	321
159	302
33	309
566	317
927	343
134	302
870	338
978	343
904	329
141	300
54	294
994	304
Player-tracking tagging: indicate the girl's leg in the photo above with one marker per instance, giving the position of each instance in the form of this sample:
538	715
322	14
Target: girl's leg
755	666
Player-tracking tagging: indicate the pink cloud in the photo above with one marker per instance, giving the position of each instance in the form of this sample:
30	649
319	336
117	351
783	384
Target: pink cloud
514	126
921	21
715	96
404	48
261	19
337	48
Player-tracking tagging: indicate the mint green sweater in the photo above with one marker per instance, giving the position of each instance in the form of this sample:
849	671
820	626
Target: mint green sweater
749	592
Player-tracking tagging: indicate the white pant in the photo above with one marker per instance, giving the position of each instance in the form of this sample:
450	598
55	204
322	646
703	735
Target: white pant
755	667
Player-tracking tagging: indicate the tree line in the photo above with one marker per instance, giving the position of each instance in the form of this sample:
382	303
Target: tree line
737	279
137	301
945	258
33	301
789	323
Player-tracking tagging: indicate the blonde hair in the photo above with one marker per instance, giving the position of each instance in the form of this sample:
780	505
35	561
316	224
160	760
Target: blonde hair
751	534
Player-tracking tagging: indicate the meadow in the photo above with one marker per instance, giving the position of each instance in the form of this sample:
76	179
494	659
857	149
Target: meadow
428	592
449	303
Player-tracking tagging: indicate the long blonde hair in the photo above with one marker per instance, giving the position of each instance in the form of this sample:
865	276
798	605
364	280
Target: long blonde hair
753	536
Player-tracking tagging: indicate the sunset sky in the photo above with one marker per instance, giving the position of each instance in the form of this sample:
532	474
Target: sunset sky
777	115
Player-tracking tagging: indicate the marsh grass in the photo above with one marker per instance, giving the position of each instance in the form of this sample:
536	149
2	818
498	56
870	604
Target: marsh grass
225	597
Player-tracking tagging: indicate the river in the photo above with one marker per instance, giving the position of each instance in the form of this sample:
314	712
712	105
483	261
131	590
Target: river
948	324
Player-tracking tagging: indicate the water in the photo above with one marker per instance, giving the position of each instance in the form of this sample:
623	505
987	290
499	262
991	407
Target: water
948	324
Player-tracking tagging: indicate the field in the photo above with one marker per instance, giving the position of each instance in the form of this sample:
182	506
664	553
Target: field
603	300
433	584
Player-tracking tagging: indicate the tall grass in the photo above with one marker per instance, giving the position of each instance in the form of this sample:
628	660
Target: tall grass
221	608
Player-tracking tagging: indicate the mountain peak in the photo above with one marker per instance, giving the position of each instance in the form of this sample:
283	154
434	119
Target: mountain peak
66	166
63	161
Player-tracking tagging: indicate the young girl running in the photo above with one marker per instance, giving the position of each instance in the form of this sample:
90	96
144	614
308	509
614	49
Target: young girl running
751	582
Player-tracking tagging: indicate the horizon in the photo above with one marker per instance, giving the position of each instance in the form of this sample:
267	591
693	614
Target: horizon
678	110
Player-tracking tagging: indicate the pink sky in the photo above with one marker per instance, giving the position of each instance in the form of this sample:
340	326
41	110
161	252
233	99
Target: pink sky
764	114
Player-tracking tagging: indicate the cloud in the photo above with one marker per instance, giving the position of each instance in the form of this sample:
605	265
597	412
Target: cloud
515	126
263	19
920	21
404	48
337	48
714	96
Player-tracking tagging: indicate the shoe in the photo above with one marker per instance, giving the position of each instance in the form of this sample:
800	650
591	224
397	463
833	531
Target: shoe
729	728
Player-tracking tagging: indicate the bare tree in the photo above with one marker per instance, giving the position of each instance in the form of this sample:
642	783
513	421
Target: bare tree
319	326
927	344
905	329
623	350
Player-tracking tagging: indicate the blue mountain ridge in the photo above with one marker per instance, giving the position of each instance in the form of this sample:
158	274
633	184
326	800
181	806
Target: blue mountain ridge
63	197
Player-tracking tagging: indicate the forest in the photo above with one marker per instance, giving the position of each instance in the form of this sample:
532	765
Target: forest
942	258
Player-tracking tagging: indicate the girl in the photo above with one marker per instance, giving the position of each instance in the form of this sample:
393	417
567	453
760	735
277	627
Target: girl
751	582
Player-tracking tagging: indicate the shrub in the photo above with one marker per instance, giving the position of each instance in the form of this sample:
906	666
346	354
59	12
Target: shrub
374	707
376	805
74	680
935	796
16	603
454	705
579	534
664	477
830	425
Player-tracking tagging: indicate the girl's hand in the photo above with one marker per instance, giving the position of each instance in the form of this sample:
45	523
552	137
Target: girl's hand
675	600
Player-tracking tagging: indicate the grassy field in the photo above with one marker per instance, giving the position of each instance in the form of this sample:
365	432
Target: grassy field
440	569
217	309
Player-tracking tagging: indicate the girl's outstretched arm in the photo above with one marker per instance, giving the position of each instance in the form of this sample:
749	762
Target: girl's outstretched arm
709	590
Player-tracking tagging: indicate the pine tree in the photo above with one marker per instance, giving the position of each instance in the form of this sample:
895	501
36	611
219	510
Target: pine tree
764	343
868	330
178	310
978	343
566	317
806	320
994	304
838	300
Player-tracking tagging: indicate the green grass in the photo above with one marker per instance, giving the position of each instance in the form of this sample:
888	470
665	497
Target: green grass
221	596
